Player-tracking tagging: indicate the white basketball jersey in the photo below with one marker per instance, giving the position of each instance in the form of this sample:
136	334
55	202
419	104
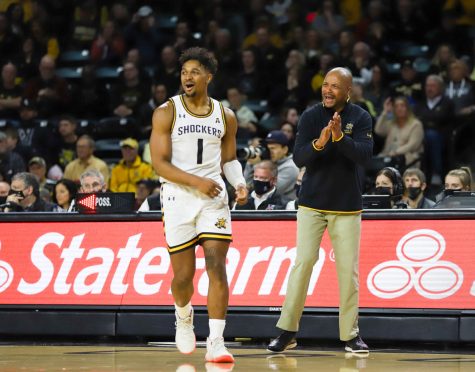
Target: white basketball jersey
196	139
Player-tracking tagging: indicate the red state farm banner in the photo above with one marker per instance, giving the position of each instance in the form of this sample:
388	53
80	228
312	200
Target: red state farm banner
403	264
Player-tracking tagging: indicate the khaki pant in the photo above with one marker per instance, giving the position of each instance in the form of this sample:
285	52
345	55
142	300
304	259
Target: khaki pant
344	231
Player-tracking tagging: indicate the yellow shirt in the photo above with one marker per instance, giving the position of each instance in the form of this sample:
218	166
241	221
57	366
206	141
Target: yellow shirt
125	178
77	167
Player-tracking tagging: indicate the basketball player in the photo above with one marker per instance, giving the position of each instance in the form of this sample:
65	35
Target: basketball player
193	140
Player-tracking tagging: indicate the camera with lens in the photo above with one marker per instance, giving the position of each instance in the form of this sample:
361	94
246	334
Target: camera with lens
252	152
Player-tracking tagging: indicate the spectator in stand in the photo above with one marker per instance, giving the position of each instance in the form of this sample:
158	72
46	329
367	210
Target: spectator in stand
409	85
9	42
313	46
250	79
85	24
183	37
168	71
328	22
16	17
130	93
450	34
90	181
28	60
130	169
294	204
33	137
403	132
361	62
436	113
85	147
298	88
47	90
247	120
344	48
143	35
13	143
43	42
159	96
290	131
389	182
459	179
326	62
441	60
357	97
64	193
10	93
90	95
277	144
64	145
151	202
414	187
144	189
4	190
377	90
265	195
375	11
291	116
407	21
24	196
10	162
37	166
269	58
108	48
461	91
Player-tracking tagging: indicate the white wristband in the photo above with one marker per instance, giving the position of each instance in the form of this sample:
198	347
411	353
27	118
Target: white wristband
233	172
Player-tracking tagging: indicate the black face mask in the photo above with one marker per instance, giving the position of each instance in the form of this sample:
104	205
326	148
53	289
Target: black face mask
413	192
382	190
3	199
297	188
261	187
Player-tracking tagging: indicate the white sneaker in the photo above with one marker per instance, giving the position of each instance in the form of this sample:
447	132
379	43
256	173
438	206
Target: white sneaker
216	351
185	336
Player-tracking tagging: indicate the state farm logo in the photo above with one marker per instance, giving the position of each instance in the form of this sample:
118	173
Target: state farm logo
419	267
6	274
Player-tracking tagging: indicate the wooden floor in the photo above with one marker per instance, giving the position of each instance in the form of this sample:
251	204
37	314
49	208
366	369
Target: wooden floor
164	357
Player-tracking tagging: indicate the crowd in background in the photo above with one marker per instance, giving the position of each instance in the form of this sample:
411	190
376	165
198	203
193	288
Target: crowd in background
80	80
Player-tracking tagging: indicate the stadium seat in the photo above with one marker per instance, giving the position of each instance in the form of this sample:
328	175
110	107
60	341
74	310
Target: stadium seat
69	72
73	58
114	127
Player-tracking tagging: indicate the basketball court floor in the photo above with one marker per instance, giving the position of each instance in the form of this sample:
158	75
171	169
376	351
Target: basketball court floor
164	357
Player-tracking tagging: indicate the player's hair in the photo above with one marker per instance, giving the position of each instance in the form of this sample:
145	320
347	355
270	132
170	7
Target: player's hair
203	56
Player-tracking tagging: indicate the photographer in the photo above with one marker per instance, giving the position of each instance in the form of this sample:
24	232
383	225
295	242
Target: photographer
24	196
277	150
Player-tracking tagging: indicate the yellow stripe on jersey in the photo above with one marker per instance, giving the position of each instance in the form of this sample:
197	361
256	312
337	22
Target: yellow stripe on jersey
215	236
224	118
174	115
196	115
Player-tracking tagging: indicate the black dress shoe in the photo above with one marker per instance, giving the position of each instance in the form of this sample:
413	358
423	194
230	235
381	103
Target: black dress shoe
356	345
286	340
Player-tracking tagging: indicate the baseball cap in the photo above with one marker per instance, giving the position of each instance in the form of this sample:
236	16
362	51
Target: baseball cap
144	11
131	142
37	160
277	136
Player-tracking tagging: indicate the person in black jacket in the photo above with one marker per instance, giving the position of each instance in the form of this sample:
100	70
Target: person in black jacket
334	140
265	195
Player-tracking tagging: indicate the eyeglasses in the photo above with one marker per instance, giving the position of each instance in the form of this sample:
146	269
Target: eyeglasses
95	186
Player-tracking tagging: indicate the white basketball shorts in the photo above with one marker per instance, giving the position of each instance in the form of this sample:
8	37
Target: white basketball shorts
190	216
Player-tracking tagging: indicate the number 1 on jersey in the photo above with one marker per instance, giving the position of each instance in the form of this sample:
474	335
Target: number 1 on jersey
199	154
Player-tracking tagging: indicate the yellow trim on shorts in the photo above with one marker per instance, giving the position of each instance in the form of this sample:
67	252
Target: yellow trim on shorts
215	236
196	115
182	247
332	212
174	115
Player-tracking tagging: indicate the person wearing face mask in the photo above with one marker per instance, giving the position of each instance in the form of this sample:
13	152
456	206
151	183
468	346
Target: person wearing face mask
389	182
459	179
24	196
414	187
265	195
